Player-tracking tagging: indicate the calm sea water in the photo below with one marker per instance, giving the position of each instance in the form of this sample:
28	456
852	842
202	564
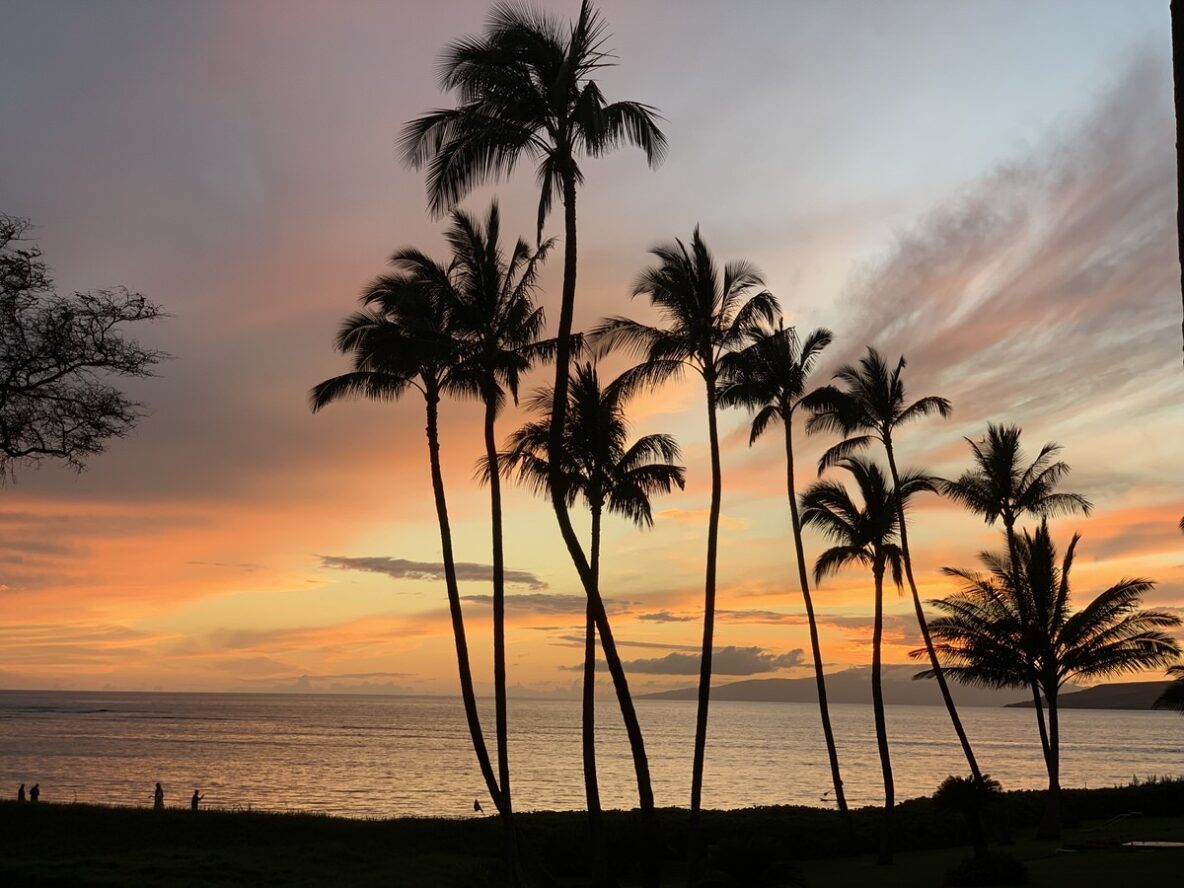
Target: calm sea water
399	756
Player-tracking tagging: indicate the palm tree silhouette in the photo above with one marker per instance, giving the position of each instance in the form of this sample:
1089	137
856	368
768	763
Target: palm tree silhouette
1001	488
526	88
492	308
1015	625
769	377
1173	695
601	468
868	536
403	339
706	315
870	408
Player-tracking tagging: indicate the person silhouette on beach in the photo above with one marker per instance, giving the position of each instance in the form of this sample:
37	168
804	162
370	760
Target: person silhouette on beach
158	798
196	800
20	793
476	806
35	792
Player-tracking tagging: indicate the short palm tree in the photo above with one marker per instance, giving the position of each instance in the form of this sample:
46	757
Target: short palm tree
769	377
492	309
1014	626
869	407
1002	488
402	340
526	89
706	314
1173	695
865	533
601	468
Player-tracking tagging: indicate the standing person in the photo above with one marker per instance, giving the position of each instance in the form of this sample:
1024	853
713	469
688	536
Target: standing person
20	793
196	800
158	798
35	792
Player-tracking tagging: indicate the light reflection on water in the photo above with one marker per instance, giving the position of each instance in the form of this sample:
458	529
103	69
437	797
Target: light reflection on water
397	756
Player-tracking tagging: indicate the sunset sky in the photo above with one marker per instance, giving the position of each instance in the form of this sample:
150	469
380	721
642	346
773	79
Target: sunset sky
987	187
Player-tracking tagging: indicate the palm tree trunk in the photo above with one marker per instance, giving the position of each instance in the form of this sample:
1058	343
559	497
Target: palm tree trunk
815	647
458	621
934	664
600	874
881	725
1013	554
1178	76
1038	703
506	809
1050	828
708	627
651	876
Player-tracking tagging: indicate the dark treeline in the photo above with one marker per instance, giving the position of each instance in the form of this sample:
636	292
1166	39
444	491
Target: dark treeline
469	326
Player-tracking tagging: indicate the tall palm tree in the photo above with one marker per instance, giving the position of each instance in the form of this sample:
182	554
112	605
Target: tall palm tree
867	535
870	407
601	468
769	377
1001	488
493	311
526	88
1014	625
705	316
402	339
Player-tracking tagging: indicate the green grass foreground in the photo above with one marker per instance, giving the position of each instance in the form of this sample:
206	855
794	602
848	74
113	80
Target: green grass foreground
47	844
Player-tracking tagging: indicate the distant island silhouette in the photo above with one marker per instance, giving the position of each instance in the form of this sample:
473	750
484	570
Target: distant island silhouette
851	686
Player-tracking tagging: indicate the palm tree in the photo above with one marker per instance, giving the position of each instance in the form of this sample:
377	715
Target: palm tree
867	536
402	339
493	310
870	408
1173	695
769	377
705	316
601	468
1001	488
1015	626
526	88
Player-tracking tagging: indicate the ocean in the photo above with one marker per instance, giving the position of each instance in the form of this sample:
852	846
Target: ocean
375	756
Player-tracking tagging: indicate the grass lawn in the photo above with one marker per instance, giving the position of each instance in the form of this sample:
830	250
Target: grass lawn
1101	867
64	845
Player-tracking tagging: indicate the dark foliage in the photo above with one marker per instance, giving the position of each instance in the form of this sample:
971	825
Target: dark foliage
58	356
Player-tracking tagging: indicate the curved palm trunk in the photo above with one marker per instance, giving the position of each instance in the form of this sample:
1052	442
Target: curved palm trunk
935	665
1050	828
458	621
1039	704
600	874
708	628
652	863
881	724
1177	19
506	809
815	647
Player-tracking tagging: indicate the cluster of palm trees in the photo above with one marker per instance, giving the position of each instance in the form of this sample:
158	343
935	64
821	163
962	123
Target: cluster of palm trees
470	327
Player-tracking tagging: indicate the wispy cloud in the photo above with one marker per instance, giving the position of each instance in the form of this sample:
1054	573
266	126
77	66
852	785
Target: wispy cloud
1047	282
725	661
402	569
551	603
666	617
